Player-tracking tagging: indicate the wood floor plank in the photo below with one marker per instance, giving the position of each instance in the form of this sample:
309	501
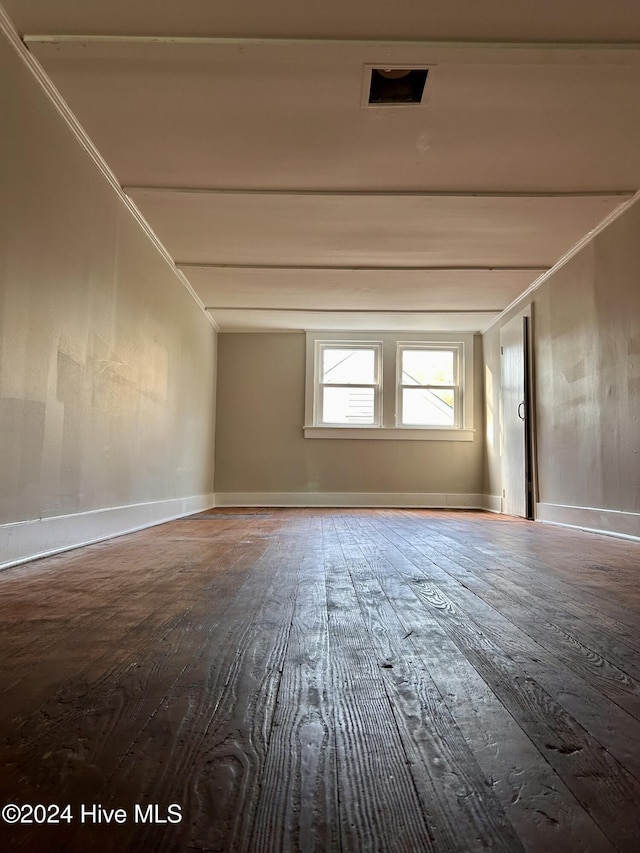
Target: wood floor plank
572	616
206	745
401	681
297	808
111	748
549	555
616	730
544	812
461	808
565	615
105	674
379	806
586	768
83	639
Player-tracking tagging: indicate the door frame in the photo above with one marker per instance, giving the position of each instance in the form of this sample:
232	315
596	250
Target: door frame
531	456
530	473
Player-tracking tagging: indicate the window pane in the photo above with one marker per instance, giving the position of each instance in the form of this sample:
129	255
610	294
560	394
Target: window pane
426	407
427	367
347	406
348	366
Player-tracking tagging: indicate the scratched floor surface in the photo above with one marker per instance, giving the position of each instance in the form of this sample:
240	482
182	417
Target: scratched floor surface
324	680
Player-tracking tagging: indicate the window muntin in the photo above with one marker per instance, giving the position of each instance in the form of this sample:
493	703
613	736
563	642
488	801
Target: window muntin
428	386
348	384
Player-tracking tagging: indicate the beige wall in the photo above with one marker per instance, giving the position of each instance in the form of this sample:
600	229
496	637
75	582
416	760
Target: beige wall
106	363
260	445
586	322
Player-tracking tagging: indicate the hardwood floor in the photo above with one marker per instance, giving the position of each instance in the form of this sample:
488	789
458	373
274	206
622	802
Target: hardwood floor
326	680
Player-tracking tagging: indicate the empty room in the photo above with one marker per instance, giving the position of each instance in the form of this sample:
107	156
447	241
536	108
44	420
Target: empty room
320	426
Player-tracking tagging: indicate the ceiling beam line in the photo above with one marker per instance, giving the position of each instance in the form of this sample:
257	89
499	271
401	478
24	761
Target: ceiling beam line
186	265
407	311
381	51
233	191
243	41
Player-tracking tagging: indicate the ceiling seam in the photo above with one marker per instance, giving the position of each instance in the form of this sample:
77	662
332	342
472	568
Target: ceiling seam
408	311
205	265
463	46
454	194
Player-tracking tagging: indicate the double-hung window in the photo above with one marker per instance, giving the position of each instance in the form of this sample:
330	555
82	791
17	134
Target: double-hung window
428	385
387	385
348	383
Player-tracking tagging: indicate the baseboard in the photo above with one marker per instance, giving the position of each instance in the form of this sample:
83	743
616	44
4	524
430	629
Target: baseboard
409	500
492	503
28	540
609	522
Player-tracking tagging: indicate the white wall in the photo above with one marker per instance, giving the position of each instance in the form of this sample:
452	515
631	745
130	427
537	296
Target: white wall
107	365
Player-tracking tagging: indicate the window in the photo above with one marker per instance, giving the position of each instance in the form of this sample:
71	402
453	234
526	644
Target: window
387	386
348	383
428	385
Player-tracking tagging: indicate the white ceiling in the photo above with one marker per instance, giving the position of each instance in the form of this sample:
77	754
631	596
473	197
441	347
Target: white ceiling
242	135
353	289
341	230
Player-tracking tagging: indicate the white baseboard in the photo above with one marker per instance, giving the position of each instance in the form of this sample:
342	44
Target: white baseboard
409	500
609	522
492	503
28	540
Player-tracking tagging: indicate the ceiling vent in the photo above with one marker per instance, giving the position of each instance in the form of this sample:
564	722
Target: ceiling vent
397	86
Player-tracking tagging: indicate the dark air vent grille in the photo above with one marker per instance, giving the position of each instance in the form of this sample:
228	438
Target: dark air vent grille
397	86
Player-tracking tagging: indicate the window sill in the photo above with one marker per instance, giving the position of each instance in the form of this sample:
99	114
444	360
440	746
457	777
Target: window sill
390	433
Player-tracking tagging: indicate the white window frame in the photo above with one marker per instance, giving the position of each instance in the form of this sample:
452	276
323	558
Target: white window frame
320	347
457	348
389	425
